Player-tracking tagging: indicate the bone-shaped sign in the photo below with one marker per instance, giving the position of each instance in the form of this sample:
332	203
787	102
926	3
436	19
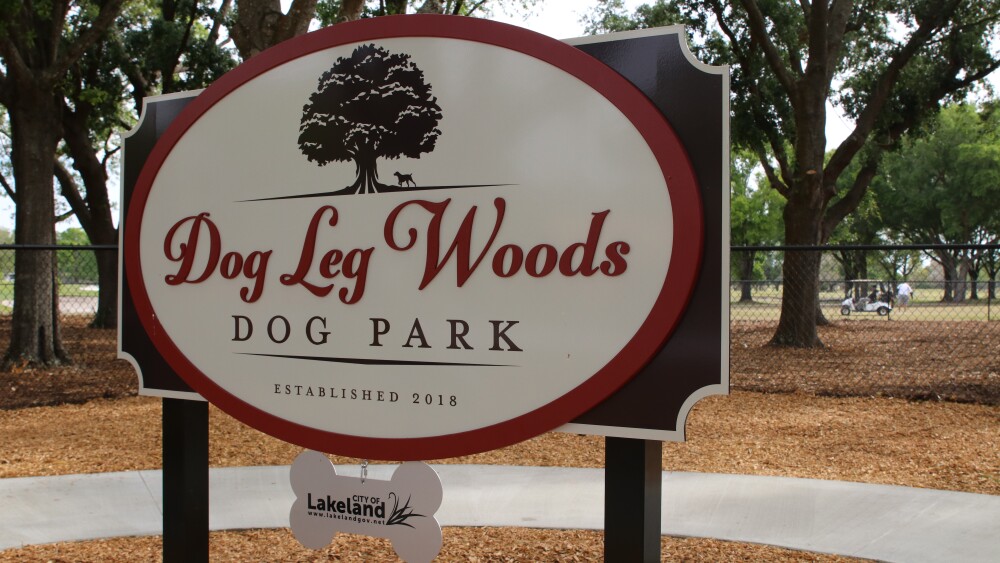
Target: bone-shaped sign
400	509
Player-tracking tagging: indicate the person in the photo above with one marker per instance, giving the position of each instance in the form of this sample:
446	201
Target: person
903	293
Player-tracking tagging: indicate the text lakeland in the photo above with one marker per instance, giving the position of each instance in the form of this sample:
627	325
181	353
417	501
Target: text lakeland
354	506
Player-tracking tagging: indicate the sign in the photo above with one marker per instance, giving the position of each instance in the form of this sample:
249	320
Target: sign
400	509
533	249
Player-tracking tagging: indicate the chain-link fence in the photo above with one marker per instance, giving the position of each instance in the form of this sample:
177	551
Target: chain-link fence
901	321
942	343
88	333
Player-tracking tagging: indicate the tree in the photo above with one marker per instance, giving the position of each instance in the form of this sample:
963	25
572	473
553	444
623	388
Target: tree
887	64
39	42
6	260
373	104
863	227
755	218
933	190
991	263
5	166
150	50
170	47
260	24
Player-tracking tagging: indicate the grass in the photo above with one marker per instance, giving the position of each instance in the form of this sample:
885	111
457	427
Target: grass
78	290
69	293
65	290
767	307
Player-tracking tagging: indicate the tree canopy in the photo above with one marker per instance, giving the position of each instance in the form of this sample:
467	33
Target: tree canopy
755	218
39	44
373	104
936	187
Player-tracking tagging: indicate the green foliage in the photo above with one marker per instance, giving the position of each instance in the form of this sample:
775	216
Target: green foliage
889	64
611	16
755	209
755	219
938	50
72	237
6	262
940	188
6	168
168	46
328	12
862	227
935	187
75	266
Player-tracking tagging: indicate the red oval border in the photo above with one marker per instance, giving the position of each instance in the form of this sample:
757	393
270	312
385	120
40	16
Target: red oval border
682	272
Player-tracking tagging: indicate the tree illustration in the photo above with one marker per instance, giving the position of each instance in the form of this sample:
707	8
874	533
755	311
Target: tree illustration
373	104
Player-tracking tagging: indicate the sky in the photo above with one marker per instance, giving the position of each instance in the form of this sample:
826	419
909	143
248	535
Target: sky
556	18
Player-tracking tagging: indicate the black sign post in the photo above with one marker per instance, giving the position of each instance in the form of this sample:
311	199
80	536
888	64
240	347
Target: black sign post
185	481
185	421
633	490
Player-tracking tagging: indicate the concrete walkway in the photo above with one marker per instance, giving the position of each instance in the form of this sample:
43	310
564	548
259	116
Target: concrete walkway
861	520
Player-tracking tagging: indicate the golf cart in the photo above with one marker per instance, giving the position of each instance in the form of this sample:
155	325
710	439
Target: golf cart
877	300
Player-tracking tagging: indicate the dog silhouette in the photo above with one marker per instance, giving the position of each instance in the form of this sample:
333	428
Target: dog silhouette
405	179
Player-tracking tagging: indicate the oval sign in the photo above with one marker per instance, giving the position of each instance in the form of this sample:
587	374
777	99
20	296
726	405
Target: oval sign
414	237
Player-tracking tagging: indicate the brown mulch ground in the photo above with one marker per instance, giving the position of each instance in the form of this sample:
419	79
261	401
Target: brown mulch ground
473	545
875	439
933	360
926	360
92	374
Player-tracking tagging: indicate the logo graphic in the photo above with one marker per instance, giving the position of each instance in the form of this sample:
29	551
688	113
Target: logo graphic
373	104
327	503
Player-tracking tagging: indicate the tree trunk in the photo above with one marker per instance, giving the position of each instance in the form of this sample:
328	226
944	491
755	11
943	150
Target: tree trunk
746	276
395	7
845	261
370	183
95	216
35	131
947	261
800	272
260	24
861	263
961	280
821	319
973	285
107	283
367	180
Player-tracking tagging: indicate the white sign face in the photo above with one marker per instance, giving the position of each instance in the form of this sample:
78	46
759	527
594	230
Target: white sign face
400	509
400	240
